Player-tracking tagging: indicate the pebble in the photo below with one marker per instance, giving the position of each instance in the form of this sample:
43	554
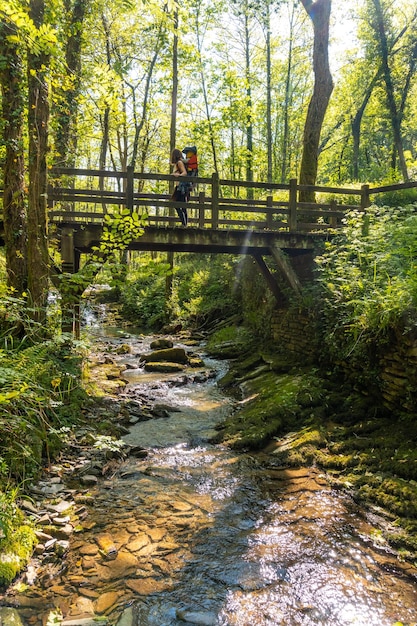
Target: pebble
89	479
198	617
106	601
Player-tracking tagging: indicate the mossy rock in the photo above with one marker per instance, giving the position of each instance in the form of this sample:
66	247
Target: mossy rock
15	552
169	355
164	367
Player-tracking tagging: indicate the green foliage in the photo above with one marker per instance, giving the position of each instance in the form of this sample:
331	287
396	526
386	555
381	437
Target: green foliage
17	537
16	322
368	277
40	389
203	289
119	229
143	294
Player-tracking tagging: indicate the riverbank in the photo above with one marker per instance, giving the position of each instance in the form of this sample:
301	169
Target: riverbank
304	418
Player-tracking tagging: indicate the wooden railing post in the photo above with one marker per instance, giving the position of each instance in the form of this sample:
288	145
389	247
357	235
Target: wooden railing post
215	200
269	212
129	188
201	201
292	208
333	218
365	200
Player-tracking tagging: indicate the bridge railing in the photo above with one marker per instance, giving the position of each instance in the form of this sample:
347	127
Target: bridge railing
84	195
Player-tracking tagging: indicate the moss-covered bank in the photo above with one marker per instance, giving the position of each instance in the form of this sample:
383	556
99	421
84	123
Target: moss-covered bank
304	418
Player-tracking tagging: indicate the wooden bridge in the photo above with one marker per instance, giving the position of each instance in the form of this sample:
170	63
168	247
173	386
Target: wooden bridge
225	216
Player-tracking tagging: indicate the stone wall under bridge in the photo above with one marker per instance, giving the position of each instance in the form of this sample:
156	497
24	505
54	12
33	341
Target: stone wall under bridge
296	332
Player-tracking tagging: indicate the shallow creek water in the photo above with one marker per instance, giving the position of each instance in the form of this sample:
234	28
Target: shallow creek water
206	536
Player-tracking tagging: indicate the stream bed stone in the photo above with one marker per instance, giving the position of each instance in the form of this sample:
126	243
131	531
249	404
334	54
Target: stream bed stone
193	533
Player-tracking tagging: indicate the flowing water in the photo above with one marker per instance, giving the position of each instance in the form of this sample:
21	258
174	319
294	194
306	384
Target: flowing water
207	536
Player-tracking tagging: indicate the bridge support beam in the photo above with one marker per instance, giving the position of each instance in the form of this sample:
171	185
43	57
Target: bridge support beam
70	264
286	270
272	283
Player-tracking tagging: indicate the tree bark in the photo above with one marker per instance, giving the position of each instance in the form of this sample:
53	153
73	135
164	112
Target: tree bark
249	112
204	86
287	101
38	119
269	174
66	136
356	123
392	105
319	13
14	211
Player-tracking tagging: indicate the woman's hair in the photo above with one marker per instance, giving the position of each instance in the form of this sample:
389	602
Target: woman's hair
176	155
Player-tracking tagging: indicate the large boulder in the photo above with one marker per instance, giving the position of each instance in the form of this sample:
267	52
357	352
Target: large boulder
171	355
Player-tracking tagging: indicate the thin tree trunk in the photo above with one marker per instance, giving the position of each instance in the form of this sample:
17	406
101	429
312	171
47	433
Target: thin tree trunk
287	102
66	134
319	12
268	94
392	105
356	125
105	119
14	210
249	114
38	119
204	89
173	139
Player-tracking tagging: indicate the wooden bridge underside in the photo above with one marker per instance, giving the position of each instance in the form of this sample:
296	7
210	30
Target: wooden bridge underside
76	239
177	239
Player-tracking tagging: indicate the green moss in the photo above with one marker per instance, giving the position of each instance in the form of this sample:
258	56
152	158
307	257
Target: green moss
270	406
15	552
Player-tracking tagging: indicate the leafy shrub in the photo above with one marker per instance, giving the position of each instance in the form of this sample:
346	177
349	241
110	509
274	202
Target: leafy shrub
368	278
202	289
40	388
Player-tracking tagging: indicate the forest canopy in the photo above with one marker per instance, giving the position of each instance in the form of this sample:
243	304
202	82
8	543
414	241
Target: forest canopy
243	67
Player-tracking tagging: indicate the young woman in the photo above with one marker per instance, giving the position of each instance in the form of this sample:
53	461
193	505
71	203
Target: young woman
180	194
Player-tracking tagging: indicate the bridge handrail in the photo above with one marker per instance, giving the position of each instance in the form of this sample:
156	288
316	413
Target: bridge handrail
215	209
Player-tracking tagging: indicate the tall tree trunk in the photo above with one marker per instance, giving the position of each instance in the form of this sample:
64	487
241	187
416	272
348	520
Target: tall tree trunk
66	135
287	101
140	123
356	122
38	119
392	105
319	12
173	139
249	112
268	93
204	87
105	118
14	211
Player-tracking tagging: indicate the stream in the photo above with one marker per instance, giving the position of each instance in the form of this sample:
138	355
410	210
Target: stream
199	534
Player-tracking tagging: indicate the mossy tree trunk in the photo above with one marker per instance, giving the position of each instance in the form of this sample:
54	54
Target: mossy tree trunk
319	13
38	119
14	211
